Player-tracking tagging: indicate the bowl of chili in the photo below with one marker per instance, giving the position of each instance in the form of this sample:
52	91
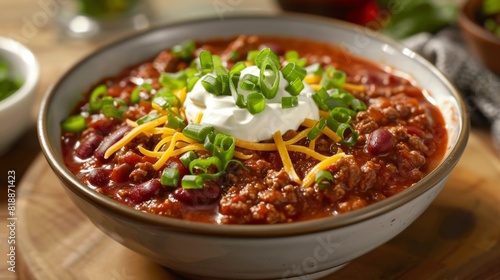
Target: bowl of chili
254	147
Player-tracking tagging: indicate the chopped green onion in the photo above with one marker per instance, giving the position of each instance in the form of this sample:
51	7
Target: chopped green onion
240	101
252	55
292	72
319	98
316	129
295	87
165	99
234	56
314	69
293	56
237	68
191	82
192	182
197	132
323	179
333	78
223	79
206	61
289	102
184	50
269	92
202	164
336	118
153	115
95	101
173	81
358	105
74	123
265	54
212	85
170	177
110	109
256	103
175	122
250	82
221	146
187	158
353	136
135	95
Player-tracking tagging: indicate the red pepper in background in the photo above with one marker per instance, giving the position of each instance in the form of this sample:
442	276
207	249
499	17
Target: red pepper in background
355	11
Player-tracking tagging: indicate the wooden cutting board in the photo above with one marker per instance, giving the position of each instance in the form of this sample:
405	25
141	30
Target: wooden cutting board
458	237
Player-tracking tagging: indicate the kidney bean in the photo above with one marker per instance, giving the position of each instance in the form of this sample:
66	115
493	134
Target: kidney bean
103	124
196	197
415	131
146	191
121	172
380	142
88	145
98	176
109	140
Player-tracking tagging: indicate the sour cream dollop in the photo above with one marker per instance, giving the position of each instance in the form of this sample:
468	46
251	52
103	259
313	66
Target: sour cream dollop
222	113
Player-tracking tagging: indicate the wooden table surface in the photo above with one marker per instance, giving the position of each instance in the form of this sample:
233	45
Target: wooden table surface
457	238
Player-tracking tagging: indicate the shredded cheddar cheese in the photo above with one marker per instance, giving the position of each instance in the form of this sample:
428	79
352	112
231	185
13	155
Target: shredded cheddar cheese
143	128
198	118
311	175
285	157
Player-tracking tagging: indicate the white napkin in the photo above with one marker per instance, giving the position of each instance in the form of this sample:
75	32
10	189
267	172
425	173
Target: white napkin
479	87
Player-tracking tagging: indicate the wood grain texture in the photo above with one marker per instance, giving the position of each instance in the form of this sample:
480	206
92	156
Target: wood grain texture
458	237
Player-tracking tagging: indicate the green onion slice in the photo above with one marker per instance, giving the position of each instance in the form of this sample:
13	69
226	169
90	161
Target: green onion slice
316	129
265	54
292	72
175	122
173	81
206	61
269	91
324	179
187	158
165	98
250	82
184	50
135	96
256	103
221	146
192	182
295	87
289	102
237	68
344	128
74	123
197	132
153	115
95	101
202	164
170	177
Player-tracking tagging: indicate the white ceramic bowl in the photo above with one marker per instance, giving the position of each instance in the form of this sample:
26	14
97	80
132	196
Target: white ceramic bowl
313	248
15	110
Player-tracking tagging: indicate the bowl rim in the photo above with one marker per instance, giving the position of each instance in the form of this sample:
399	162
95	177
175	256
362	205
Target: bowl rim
30	78
240	231
468	22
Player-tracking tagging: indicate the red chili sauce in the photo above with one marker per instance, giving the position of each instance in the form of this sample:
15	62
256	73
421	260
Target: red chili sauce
402	137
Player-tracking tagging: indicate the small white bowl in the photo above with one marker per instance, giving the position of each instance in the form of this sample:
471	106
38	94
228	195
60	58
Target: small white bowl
15	110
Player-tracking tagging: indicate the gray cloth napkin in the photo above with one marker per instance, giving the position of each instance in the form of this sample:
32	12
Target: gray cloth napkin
479	87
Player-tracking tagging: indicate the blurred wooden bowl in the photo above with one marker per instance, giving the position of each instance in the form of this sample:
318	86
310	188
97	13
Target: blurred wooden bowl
484	44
